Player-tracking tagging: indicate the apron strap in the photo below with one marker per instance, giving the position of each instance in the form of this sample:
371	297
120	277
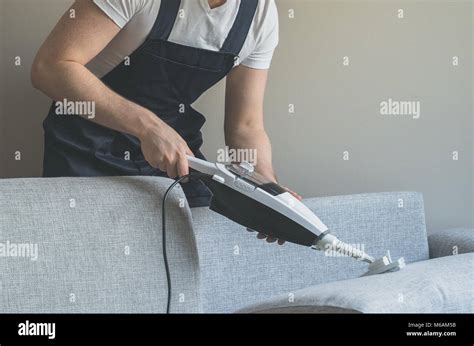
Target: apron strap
238	34
165	20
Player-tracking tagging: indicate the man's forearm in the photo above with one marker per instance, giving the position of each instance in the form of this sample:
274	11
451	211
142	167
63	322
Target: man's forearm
74	82
253	139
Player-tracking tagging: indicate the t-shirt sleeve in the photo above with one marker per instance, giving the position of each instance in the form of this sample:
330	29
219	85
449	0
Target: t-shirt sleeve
267	39
120	11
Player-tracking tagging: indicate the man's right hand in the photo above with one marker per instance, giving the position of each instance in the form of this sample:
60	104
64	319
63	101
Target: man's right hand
165	149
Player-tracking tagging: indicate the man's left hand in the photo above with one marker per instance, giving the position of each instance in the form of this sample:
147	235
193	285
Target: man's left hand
271	239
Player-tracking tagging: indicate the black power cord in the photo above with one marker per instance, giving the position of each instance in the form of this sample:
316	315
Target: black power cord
191	175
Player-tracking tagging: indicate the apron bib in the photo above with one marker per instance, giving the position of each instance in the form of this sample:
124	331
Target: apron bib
162	76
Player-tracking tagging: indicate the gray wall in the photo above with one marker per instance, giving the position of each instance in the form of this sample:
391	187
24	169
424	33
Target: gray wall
336	106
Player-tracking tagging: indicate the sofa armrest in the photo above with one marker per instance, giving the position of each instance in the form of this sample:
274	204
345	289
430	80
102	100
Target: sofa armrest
451	242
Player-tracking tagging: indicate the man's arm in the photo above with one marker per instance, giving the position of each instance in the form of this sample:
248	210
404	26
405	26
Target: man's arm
59	71
244	128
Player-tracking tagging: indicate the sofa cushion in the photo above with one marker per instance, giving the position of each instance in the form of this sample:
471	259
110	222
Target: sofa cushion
99	246
442	285
239	270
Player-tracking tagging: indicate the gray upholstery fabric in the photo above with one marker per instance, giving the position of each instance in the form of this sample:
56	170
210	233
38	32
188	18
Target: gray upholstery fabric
99	250
238	270
82	227
443	285
451	242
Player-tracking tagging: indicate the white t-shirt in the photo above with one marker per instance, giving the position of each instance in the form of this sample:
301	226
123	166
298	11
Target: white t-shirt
200	27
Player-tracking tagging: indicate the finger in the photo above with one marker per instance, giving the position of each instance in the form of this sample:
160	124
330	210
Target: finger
171	172
182	166
294	194
154	164
189	152
271	240
261	236
171	169
162	167
281	242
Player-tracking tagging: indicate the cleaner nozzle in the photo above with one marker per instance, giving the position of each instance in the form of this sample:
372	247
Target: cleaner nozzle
379	266
384	265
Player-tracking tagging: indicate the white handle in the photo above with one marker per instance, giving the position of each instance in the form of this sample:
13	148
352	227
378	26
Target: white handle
202	165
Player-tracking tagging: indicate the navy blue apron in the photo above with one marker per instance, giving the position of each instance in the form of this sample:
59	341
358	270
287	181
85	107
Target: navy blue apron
163	77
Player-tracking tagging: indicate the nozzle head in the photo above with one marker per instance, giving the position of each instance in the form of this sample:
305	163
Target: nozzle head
385	265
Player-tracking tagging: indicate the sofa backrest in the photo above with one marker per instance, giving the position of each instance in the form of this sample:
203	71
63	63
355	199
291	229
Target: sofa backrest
99	246
238	270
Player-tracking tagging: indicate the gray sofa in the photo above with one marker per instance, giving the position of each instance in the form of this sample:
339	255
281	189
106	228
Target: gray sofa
98	244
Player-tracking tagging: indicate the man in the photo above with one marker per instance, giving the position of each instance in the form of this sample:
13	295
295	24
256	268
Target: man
143	63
